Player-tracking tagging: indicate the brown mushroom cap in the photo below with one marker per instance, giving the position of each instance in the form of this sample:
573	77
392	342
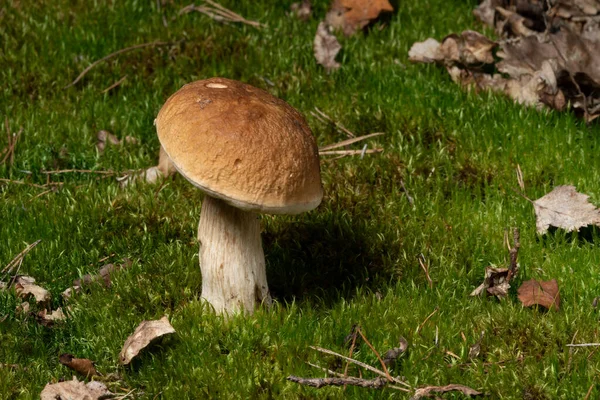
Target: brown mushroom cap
242	145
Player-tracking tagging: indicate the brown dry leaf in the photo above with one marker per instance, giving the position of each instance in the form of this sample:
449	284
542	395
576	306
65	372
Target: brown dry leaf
25	287
103	274
81	365
352	15
392	355
48	319
302	10
495	283
75	390
145	333
543	293
326	47
565	208
429	391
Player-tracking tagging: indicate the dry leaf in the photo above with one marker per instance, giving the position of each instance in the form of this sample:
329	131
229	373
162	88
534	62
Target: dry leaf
392	355
495	283
425	52
475	348
48	319
326	47
81	365
352	15
542	293
302	10
565	208
429	391
23	308
75	390
25	287
145	333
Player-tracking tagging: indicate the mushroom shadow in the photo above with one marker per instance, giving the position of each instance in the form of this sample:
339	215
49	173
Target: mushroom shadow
323	261
586	234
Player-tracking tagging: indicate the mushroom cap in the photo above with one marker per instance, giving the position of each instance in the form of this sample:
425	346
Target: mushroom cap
240	144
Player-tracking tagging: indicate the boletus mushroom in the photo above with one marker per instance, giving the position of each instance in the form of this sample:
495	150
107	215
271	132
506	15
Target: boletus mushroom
250	153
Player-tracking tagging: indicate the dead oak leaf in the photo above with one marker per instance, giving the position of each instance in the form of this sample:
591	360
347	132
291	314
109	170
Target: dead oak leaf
429	391
81	365
145	333
543	293
352	15
565	208
326	47
75	390
25	287
48	319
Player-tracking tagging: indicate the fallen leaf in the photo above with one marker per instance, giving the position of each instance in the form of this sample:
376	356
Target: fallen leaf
390	357
81	365
145	333
326	47
23	307
103	275
25	287
48	319
302	10
352	15
428	391
565	208
543	293
495	283
426	52
75	390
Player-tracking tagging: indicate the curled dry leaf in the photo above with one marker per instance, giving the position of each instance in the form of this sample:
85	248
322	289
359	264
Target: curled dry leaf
326	47
543	293
495	283
81	365
352	15
25	288
302	10
145	333
565	208
76	390
430	391
390	357
48	319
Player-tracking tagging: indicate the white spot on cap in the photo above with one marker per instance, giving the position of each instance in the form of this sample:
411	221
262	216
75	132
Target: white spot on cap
216	85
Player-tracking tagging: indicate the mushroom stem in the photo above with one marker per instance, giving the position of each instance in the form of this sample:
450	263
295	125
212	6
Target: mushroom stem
232	260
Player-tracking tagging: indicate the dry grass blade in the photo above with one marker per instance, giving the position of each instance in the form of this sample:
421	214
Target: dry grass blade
219	13
328	118
388	376
426	269
350	152
45	186
116	53
12	143
350	141
19	257
80	171
114	85
427	319
584	345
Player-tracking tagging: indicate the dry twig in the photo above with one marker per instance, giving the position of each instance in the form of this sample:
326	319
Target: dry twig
19	258
350	152
349	141
114	85
426	269
427	319
81	171
12	143
116	53
219	13
376	383
388	376
322	115
514	253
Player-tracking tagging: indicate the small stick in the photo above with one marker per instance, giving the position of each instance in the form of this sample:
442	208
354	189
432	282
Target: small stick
327	370
426	269
376	383
116	53
350	141
389	377
40	195
114	85
80	171
351	350
31	184
19	257
337	124
219	13
584	345
520	178
589	392
350	152
361	364
427	319
411	201
514	253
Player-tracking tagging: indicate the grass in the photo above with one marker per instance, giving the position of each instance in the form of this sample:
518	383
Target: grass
353	260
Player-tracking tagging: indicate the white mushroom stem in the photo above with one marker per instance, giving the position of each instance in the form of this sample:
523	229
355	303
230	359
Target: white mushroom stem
232	260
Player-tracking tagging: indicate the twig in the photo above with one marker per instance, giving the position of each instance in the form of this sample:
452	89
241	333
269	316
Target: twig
114	85
336	124
584	345
12	143
44	186
81	171
520	178
219	13
514	253
411	201
327	370
388	376
116	53
426	269
589	392
376	383
361	364
354	332
19	258
350	152
427	319
350	141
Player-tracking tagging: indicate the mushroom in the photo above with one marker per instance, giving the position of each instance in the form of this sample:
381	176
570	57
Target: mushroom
250	153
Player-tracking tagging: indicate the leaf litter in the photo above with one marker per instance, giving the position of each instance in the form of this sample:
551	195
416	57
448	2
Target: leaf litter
548	55
542	293
82	366
565	208
143	335
76	390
